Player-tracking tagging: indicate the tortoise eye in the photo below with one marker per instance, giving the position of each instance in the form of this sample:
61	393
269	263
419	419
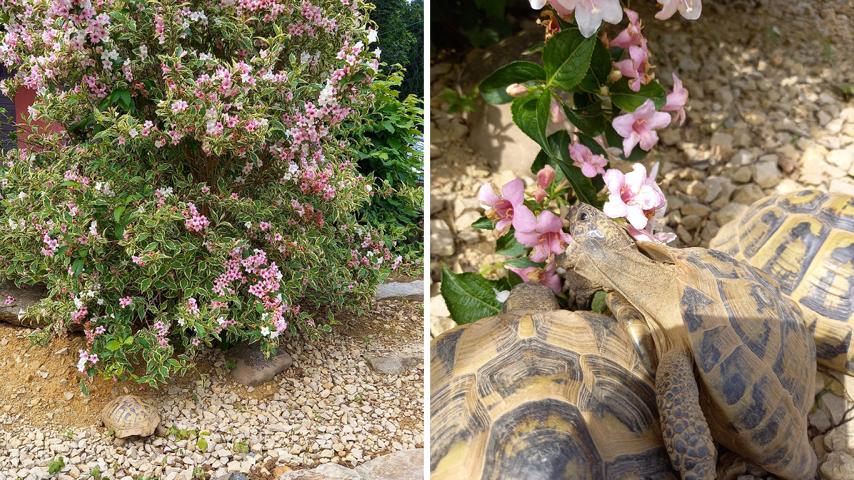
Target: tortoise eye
582	216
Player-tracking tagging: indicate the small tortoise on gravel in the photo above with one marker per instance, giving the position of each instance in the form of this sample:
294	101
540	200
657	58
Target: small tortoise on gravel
129	416
805	240
538	393
735	360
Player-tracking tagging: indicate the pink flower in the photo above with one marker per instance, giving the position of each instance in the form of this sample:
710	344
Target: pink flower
583	158
689	9
633	196
503	207
545	177
9	300
125	302
556	114
636	66
546	276
632	33
640	126
646	235
179	106
676	101
544	233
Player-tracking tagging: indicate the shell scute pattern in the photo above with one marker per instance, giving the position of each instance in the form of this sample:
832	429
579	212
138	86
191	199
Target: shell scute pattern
549	395
805	241
755	355
129	415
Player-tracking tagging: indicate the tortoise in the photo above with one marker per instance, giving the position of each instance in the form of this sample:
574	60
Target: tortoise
539	393
129	416
805	240
735	359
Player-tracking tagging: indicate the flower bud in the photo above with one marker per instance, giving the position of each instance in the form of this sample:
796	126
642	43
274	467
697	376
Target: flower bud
614	76
516	90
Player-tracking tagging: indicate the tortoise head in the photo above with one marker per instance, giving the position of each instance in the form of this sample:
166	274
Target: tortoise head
595	232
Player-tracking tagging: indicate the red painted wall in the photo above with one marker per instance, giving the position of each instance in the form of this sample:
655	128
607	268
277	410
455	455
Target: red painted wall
25	97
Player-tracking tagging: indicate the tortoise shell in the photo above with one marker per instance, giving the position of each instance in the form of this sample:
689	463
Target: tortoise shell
129	415
805	240
754	357
543	396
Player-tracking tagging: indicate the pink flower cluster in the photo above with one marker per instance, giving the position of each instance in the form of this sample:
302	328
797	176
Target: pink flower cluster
636	67
263	277
125	302
161	330
86	358
194	221
50	245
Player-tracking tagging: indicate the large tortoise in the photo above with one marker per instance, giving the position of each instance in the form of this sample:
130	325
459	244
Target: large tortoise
537	393
805	240
735	360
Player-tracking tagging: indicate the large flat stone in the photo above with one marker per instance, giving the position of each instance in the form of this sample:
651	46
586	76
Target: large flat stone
401	465
327	471
21	299
413	290
252	368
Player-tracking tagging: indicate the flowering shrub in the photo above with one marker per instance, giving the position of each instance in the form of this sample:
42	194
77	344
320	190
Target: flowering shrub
195	183
603	87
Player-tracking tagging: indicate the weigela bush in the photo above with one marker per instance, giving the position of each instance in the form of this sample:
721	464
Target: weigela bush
596	91
190	180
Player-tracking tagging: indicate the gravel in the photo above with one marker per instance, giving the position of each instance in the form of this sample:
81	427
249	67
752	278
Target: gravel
328	407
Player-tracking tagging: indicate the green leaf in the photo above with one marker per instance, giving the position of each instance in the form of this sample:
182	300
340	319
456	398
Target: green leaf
113	345
469	296
77	267
600	69
531	115
589	119
508	246
202	445
117	214
598	304
494	87
581	185
483	223
627	100
566	58
522	263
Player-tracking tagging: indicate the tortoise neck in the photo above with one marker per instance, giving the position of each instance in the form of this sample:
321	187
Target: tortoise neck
648	285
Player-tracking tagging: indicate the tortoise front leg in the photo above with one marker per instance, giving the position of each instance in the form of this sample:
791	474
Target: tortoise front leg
637	328
686	434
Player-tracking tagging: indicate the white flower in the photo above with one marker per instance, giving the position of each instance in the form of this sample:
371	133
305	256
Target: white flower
305	57
248	225
265	332
502	295
589	14
372	36
327	95
689	9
